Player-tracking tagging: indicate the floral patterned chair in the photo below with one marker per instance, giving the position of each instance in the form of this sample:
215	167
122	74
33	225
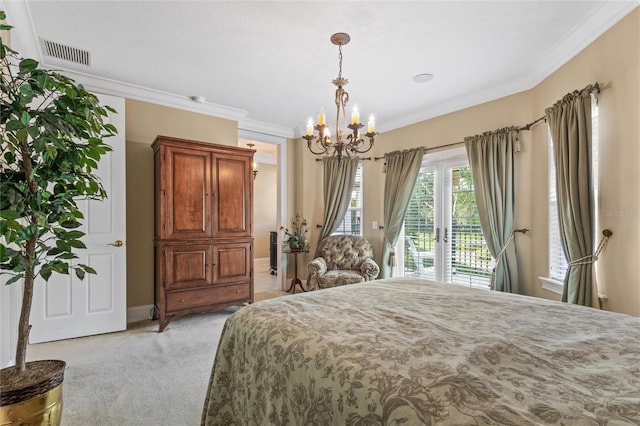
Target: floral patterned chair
342	259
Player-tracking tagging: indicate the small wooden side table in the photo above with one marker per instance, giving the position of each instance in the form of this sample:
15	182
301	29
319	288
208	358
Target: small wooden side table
295	281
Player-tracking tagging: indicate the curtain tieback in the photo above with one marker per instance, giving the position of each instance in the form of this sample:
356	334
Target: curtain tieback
392	255
501	252
591	258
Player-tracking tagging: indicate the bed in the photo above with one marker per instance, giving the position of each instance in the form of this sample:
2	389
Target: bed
409	351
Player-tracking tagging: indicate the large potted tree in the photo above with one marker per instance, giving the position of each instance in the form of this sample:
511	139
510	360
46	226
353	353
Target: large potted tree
52	141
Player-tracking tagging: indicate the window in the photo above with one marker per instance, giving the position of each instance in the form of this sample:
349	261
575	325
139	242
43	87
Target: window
351	224
557	261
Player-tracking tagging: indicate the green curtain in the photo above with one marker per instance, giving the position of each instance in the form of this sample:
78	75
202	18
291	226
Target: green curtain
402	172
570	124
339	176
491	157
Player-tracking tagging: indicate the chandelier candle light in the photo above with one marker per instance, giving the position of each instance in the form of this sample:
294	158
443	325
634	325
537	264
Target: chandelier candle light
354	143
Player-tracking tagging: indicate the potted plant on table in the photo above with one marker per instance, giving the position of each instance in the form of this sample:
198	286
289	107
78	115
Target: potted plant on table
52	140
296	238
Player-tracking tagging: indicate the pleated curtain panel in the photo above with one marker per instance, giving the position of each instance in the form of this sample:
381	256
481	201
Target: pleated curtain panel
402	172
339	177
570	125
491	157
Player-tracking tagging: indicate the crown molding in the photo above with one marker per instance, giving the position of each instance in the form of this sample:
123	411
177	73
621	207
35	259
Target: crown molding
583	34
601	20
266	128
604	17
130	91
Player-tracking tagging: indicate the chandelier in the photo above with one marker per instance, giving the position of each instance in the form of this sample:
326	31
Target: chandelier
341	146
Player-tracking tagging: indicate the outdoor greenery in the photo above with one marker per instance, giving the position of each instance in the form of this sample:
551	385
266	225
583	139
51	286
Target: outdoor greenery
52	140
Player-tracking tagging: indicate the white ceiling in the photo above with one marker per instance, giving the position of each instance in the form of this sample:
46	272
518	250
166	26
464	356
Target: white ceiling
269	64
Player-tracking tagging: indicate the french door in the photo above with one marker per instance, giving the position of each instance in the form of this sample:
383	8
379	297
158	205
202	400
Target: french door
442	239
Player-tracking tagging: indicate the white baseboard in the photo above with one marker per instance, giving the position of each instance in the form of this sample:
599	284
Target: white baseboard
139	313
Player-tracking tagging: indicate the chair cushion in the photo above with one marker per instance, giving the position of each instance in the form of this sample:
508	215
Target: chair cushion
344	251
339	277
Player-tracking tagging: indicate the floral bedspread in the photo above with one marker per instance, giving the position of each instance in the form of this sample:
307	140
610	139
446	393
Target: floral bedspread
403	351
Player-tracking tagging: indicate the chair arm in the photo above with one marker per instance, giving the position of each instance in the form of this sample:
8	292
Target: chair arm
369	269
317	267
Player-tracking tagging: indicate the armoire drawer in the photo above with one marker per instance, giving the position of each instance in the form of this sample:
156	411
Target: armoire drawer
179	300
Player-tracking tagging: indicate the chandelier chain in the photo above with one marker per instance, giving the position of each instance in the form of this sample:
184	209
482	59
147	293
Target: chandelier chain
340	58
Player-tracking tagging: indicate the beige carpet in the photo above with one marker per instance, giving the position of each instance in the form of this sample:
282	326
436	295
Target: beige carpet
138	377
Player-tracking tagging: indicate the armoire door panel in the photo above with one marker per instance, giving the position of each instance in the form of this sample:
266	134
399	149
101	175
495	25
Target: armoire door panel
231	203
188	266
232	262
188	194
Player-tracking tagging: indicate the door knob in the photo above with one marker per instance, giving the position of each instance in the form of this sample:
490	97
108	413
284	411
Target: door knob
118	243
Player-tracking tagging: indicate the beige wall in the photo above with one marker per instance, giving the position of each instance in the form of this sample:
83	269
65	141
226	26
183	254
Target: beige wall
265	199
613	61
144	121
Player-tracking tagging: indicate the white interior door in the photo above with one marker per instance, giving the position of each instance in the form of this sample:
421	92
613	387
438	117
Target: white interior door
66	307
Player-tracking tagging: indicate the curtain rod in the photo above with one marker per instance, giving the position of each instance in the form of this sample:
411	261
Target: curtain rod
359	158
525	127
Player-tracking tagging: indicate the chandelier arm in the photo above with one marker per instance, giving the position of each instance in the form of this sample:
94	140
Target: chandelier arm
324	142
345	101
313	138
366	150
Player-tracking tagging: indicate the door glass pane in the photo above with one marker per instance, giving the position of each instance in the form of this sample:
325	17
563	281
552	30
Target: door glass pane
419	228
471	262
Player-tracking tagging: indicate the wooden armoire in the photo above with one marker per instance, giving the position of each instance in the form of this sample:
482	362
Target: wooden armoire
203	227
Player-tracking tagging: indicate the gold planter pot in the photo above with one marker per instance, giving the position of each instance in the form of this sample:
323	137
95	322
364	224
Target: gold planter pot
38	403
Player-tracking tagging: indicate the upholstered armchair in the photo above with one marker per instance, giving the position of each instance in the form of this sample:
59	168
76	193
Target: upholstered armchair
342	259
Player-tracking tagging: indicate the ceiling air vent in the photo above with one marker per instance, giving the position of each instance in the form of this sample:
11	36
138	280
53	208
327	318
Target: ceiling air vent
64	52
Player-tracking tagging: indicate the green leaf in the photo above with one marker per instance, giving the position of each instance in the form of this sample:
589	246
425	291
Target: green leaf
63	245
13	125
22	135
73	235
40	144
53	251
25	118
71	92
9	214
45	272
28	64
14	279
9	157
77	244
61	268
52	151
80	273
68	224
